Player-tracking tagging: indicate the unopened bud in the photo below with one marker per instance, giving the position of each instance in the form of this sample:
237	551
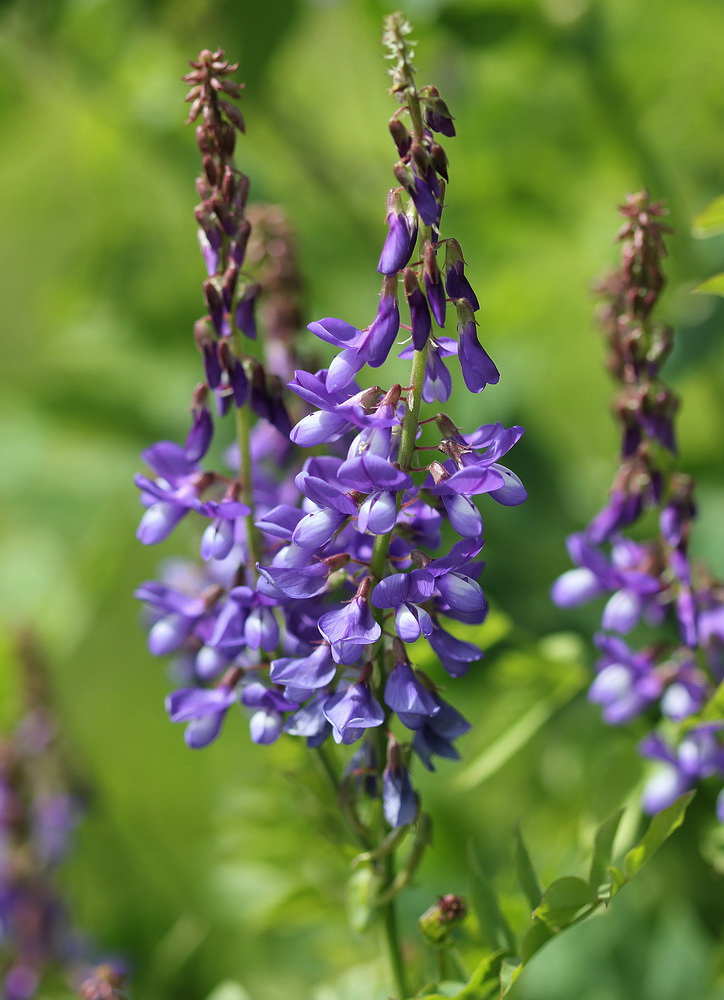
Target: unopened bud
400	136
436	923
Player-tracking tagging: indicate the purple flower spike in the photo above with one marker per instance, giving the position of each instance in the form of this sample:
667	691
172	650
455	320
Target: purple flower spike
352	711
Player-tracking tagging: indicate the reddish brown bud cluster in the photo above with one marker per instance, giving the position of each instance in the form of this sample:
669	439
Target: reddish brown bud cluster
105	983
638	345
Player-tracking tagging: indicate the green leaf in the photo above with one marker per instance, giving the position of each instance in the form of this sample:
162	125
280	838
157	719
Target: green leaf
618	880
712	286
563	899
526	873
534	939
602	849
516	736
711	219
510	971
485	971
660	829
495	928
714	708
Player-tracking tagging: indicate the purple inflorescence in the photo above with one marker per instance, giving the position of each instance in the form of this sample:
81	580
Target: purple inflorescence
651	583
319	572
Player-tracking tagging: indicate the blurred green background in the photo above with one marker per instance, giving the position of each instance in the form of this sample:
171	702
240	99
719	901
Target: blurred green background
222	864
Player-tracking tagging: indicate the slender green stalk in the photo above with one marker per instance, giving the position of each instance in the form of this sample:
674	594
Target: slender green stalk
412	415
389	917
246	483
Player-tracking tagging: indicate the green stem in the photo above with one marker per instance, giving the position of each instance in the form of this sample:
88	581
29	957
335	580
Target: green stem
389	918
246	483
377	571
412	414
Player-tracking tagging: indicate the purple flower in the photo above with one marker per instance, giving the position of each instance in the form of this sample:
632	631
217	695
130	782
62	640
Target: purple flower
699	755
476	365
310	721
626	682
245	312
408	697
634	591
265	724
400	803
219	537
424	191
401	237
403	592
175	615
419	312
310	672
203	709
298	582
352	711
433	285
352	623
435	736
169	497
458	286
461	593
454	654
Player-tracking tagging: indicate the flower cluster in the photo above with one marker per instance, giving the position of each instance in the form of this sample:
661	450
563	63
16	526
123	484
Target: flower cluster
38	815
318	579
651	581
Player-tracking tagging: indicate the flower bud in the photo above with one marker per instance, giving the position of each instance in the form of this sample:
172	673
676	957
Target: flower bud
400	136
436	923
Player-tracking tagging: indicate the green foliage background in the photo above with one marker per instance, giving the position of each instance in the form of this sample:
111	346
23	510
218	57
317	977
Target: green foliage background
223	864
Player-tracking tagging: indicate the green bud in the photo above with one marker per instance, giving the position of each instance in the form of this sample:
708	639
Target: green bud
436	923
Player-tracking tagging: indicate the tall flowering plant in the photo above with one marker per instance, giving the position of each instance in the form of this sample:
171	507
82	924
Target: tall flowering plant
651	582
318	573
41	804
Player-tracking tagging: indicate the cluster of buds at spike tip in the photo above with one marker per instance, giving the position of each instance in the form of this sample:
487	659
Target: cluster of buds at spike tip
650	581
319	577
104	983
224	231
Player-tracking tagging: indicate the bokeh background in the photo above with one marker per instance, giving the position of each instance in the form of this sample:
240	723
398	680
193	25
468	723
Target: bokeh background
224	864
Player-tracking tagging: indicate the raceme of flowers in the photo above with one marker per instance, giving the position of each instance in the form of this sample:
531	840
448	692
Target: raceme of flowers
319	572
650	581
